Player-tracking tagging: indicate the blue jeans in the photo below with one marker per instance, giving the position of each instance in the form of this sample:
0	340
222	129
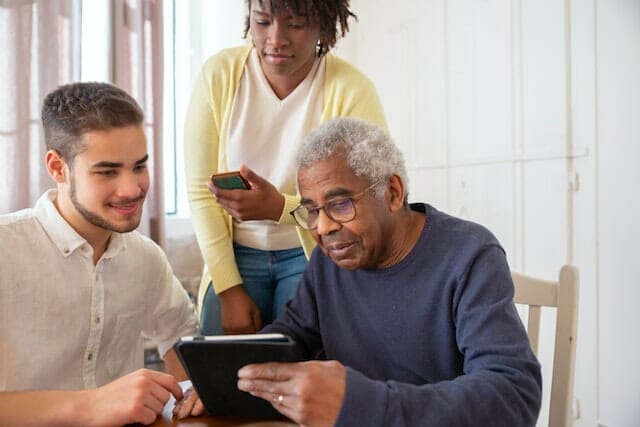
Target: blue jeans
270	278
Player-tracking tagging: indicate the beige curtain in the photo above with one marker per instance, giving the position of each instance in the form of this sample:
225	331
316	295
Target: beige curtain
138	69
36	42
40	50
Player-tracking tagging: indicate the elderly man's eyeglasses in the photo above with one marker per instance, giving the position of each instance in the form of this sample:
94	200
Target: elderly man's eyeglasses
338	210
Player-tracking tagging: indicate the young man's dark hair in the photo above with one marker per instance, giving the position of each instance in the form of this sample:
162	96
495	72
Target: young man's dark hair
74	109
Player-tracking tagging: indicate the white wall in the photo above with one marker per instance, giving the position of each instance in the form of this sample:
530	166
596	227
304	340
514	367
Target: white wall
618	206
524	116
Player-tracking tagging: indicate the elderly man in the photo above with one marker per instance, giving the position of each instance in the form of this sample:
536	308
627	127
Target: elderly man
408	311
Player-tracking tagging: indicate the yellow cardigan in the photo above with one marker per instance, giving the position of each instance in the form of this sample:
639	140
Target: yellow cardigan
347	92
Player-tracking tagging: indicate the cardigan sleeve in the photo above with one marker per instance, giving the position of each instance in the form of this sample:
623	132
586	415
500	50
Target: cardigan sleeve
211	98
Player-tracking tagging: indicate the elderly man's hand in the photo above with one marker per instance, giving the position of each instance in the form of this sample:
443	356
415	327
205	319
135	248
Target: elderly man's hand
309	393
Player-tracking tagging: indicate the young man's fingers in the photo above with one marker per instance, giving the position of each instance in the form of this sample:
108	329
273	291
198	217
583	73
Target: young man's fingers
166	382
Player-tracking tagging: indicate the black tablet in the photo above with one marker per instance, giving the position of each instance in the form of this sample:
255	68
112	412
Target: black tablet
212	363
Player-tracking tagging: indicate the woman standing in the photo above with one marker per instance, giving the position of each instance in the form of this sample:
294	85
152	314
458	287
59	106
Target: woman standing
250	108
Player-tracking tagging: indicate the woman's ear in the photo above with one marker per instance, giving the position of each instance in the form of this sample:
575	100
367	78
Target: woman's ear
56	166
396	192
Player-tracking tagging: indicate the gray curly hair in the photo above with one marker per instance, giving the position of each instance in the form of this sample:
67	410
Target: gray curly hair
368	149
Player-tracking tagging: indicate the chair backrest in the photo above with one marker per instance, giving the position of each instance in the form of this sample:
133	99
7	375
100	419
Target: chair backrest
563	295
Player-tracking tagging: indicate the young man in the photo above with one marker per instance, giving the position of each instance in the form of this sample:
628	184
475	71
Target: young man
409	310
78	286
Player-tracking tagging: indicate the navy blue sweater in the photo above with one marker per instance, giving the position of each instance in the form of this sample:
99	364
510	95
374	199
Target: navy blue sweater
434	340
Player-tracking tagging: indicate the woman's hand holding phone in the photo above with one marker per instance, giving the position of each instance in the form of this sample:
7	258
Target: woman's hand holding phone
230	181
260	199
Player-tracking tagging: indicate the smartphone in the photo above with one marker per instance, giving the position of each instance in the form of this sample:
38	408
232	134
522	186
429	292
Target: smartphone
230	181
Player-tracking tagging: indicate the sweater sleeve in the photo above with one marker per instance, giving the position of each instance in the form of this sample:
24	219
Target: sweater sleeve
500	384
203	128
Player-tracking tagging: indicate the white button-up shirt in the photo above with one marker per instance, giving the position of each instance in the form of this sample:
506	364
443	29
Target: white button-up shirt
66	323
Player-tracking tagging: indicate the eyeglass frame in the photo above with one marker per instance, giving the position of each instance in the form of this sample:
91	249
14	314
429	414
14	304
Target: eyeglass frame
351	199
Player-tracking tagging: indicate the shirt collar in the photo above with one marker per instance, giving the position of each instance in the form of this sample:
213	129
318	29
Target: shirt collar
66	239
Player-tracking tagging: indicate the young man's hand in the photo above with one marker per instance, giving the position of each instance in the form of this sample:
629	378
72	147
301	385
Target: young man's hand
134	398
190	405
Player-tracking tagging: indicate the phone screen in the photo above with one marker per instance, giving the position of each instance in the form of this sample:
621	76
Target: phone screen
230	181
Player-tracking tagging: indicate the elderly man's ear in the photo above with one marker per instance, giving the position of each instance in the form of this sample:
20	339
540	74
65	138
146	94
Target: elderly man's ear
395	193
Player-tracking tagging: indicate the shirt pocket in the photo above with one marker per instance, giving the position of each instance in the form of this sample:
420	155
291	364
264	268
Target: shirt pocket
125	352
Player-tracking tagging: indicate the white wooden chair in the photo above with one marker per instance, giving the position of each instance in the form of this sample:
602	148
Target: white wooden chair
563	295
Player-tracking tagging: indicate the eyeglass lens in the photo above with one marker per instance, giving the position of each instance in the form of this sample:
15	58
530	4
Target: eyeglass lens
338	210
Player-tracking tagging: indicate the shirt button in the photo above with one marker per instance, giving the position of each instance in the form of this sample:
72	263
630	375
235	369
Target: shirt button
97	320
90	357
66	250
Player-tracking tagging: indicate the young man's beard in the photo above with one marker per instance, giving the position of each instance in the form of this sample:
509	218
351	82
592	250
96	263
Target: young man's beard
96	219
